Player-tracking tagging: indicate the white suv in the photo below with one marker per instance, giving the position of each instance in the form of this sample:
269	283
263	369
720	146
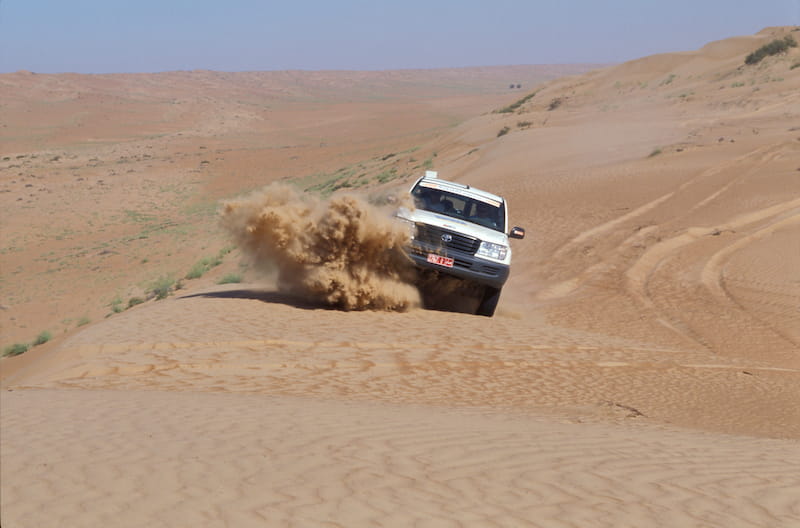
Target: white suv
461	231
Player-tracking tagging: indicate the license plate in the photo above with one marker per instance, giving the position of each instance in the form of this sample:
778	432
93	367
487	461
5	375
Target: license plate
447	262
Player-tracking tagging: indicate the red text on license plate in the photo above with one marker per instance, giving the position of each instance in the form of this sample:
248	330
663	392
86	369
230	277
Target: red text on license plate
447	262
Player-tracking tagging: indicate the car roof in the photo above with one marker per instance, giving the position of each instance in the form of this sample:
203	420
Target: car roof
433	182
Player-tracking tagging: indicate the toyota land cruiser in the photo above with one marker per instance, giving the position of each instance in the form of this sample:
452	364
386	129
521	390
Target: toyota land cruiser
461	231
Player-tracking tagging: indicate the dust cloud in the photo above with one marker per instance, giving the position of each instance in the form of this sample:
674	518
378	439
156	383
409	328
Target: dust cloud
342	252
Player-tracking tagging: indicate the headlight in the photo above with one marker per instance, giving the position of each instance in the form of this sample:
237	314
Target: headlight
492	251
410	226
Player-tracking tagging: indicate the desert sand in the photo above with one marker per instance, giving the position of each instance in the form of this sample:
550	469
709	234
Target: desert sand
643	368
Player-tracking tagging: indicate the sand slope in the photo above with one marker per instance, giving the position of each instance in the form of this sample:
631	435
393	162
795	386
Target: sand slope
128	458
643	368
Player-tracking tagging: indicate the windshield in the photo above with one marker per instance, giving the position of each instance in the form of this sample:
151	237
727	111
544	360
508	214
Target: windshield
461	207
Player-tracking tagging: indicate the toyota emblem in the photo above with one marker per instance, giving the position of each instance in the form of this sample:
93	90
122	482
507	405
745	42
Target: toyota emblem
447	237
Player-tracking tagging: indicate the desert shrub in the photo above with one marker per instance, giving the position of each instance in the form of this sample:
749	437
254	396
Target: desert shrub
503	131
524	124
15	349
133	301
388	175
116	304
196	271
162	286
555	103
83	321
230	278
668	80
513	106
42	338
795	65
772	48
656	151
203	265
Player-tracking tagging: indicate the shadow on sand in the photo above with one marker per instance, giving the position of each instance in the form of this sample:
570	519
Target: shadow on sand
267	296
443	302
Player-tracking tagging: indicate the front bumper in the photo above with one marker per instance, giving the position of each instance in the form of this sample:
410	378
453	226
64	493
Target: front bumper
465	265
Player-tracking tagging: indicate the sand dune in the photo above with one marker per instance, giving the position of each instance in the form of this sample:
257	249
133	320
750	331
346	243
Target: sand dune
643	368
127	458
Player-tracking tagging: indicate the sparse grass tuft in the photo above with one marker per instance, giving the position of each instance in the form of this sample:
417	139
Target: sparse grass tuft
116	306
387	175
133	301
524	124
668	80
513	106
162	286
206	263
15	349
42	338
773	48
83	321
199	269
795	65
656	152
555	103
503	131
230	278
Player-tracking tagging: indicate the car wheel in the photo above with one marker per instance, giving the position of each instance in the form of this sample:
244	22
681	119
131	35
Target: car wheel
489	302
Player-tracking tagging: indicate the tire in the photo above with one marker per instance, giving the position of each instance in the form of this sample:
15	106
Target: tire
489	302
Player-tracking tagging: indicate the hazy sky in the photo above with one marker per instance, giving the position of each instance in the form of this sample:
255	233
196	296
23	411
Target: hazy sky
99	36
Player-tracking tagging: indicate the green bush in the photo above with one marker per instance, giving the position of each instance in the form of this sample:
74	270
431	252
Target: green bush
203	265
162	286
133	301
230	278
388	175
42	338
15	349
513	106
773	48
116	305
668	80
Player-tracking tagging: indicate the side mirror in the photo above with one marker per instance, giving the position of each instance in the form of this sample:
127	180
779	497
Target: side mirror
517	232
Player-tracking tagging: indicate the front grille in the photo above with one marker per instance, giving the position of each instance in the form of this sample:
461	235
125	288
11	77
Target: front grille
433	235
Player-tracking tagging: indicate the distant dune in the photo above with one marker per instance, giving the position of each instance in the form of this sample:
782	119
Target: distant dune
643	368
